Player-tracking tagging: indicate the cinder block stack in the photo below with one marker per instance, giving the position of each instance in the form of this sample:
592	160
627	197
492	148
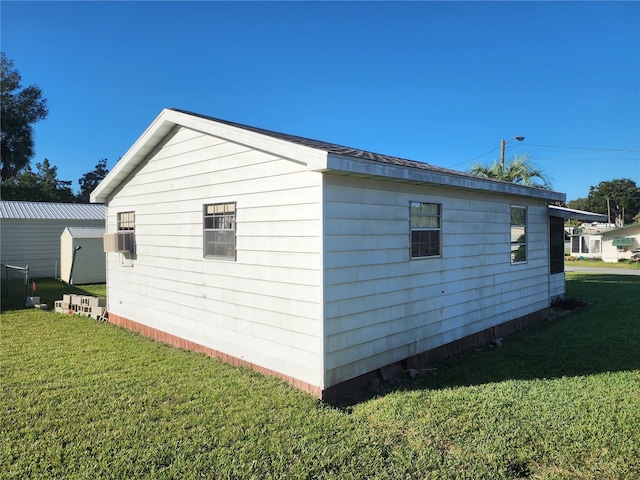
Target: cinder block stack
84	305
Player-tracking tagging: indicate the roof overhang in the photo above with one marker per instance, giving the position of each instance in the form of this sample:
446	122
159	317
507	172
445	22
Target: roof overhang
570	213
435	176
315	159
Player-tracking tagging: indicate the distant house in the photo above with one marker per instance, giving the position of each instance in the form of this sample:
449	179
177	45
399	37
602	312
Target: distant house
30	232
586	241
321	264
619	244
82	257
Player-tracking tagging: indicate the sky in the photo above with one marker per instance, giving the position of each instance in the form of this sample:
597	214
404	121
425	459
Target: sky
437	82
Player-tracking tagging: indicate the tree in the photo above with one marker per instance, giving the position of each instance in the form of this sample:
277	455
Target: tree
20	109
619	198
90	181
40	186
581	203
518	170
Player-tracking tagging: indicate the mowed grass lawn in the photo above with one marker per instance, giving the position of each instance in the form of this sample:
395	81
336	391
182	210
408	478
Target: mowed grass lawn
83	399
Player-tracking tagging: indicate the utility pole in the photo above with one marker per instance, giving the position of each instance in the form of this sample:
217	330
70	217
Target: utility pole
503	143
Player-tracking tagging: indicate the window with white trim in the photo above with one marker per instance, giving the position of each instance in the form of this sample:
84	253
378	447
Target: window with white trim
126	221
518	234
220	230
425	219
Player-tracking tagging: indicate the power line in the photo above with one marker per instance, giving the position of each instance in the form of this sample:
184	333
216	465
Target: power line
553	146
583	148
474	158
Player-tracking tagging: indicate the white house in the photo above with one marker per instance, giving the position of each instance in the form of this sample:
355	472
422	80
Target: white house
620	243
321	264
82	257
30	232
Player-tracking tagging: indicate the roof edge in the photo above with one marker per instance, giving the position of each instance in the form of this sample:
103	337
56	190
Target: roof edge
570	213
437	176
168	119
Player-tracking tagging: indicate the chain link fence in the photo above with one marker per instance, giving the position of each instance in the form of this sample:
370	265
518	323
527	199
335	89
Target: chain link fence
14	285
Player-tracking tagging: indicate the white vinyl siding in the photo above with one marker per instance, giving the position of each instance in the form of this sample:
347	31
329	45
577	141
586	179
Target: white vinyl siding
264	308
381	307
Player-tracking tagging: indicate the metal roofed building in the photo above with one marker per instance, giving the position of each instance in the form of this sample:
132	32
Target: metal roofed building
30	232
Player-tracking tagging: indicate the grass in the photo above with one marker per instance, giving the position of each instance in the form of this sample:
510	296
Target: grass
595	263
49	290
83	399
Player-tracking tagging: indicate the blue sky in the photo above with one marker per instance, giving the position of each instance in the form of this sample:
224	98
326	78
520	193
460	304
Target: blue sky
438	82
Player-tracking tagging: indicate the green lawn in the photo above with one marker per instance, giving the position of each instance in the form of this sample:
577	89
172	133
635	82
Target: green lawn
84	399
49	290
600	264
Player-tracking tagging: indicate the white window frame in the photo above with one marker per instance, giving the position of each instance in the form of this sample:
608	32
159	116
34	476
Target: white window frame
425	223
219	230
126	221
518	235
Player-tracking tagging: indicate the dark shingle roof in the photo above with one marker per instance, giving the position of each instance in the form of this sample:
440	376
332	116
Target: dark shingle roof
333	148
325	146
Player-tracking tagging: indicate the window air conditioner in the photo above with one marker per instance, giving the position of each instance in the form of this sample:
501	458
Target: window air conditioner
118	242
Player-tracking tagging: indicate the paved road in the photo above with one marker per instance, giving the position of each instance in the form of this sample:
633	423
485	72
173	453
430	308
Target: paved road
607	271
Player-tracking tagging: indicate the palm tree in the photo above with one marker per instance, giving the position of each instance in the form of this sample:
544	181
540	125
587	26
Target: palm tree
518	170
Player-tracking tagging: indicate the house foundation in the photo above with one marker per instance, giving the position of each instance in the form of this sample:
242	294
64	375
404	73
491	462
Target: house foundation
362	382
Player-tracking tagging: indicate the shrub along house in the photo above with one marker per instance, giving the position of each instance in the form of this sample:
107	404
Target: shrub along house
321	264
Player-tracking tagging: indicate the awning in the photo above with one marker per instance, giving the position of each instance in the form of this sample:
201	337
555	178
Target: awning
564	212
623	242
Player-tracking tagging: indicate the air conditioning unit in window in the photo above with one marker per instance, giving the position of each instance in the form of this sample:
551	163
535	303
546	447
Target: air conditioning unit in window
118	242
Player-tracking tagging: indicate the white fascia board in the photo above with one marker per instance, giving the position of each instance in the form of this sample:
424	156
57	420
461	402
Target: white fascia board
170	119
144	145
570	213
355	166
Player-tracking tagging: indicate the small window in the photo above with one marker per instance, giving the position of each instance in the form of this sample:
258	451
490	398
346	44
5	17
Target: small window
518	234
126	221
220	230
425	229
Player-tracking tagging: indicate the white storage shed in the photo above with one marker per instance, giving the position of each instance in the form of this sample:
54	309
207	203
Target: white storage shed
82	256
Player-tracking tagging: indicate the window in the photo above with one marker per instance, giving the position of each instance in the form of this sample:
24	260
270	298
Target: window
584	244
220	230
126	221
518	234
425	229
